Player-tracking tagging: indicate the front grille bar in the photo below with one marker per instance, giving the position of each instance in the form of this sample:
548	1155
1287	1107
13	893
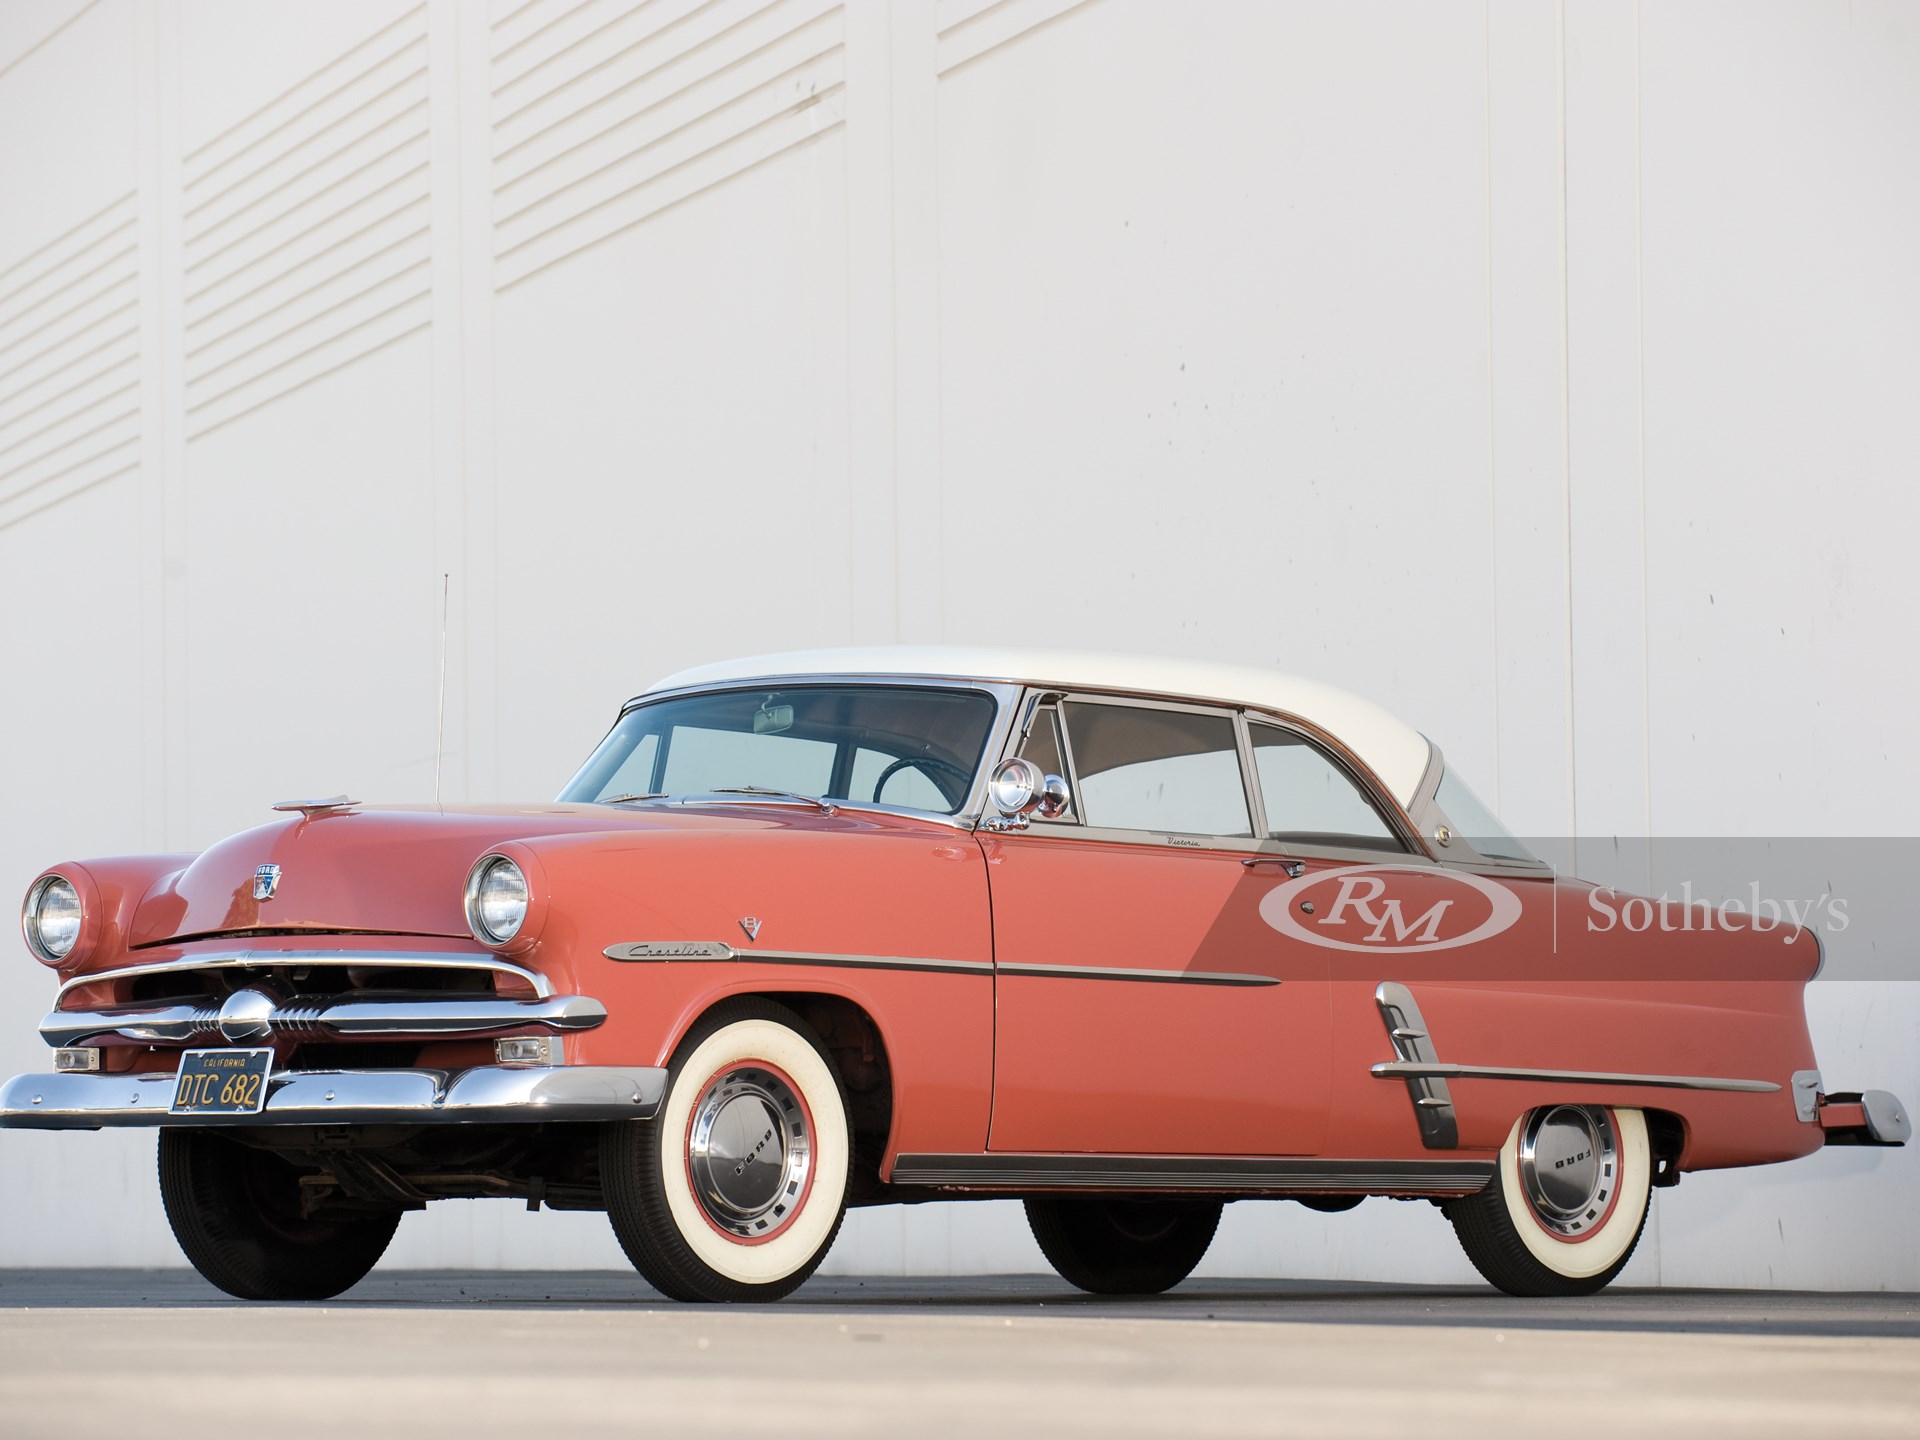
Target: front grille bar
253	1015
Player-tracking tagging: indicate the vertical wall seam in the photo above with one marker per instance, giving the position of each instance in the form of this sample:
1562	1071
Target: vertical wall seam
1493	464
1640	372
1566	449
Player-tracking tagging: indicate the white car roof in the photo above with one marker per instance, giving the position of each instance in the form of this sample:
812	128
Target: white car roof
1392	749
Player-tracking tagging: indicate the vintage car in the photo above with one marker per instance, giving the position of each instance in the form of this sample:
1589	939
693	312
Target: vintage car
1125	939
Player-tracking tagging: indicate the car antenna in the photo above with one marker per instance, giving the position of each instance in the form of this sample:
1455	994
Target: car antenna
440	719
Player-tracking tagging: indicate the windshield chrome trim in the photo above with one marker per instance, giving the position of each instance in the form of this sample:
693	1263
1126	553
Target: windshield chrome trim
243	959
1004	695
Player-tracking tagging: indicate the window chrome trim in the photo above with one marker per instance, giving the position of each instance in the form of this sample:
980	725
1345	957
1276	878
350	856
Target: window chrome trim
250	959
1170	839
1403	1069
1413	849
1399	824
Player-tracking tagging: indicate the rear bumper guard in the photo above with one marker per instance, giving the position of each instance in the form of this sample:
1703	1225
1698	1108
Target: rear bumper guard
484	1095
1868	1117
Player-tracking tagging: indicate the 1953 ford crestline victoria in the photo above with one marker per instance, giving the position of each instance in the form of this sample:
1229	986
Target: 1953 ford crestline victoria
1125	939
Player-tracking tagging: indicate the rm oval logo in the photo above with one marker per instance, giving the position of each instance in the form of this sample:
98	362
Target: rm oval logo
1356	907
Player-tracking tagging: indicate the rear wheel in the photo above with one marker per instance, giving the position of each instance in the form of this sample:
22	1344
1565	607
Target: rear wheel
737	1189
1123	1247
1566	1205
236	1212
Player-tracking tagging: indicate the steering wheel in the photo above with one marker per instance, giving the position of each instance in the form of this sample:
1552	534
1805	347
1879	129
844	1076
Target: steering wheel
927	765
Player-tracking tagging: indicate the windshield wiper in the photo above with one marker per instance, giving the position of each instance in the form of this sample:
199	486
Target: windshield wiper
623	799
826	807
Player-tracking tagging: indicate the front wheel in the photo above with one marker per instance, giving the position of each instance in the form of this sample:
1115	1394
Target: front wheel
736	1189
1566	1204
1123	1247
237	1214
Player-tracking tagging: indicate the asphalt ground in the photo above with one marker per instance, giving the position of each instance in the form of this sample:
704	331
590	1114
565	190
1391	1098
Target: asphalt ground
160	1353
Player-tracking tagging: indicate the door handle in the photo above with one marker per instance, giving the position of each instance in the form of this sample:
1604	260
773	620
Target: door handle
1294	868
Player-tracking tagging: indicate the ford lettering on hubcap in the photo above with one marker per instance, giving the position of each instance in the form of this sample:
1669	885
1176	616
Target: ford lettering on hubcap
748	1151
1569	1168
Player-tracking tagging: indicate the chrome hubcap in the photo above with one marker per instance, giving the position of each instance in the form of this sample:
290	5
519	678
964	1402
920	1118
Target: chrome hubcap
1569	1167
748	1152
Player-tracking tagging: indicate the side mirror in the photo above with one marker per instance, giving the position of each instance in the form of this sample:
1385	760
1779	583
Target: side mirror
1019	787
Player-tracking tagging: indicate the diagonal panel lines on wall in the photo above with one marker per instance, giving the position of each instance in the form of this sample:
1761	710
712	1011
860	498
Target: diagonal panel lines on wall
705	93
307	229
968	29
69	363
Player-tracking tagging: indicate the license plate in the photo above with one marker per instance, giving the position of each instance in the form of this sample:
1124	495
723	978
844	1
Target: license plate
222	1082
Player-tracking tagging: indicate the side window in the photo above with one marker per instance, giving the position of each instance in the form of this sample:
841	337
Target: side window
1043	748
1163	770
1310	799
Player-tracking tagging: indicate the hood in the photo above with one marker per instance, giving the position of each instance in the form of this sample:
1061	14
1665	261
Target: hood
384	870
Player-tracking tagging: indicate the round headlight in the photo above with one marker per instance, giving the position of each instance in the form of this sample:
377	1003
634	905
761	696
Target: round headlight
496	900
52	918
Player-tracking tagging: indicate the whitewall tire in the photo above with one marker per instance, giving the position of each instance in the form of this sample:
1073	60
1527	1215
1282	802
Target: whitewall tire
736	1190
1566	1205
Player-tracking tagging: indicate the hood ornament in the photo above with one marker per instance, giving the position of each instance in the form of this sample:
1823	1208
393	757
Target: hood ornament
265	880
311	808
751	924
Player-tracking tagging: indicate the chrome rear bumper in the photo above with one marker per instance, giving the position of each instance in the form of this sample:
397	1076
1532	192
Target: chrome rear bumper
484	1095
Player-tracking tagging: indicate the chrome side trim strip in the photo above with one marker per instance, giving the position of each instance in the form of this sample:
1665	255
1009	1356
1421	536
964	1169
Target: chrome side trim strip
1121	972
1400	1069
1247	1175
715	951
422	960
323	1017
488	1094
1432	1101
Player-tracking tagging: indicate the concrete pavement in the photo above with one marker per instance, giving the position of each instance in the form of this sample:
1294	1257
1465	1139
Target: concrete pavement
84	1352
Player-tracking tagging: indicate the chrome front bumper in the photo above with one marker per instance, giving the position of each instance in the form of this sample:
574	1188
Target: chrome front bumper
484	1095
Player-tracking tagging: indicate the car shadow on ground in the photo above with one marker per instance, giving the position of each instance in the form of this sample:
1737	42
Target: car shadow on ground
1321	1302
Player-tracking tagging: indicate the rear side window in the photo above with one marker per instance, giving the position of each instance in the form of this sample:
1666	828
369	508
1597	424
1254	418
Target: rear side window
1309	799
1171	771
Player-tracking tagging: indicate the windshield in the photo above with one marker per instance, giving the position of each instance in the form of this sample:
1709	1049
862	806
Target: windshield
869	744
1473	822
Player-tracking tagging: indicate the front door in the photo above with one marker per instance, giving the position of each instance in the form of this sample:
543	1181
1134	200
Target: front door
1143	1006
